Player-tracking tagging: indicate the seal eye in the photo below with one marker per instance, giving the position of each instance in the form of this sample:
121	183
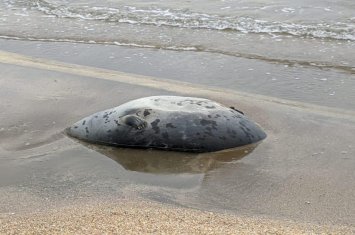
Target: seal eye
134	121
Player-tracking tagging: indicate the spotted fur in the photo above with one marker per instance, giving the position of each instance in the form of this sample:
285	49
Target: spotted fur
171	123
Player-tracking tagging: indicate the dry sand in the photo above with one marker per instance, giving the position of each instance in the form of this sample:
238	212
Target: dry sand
141	217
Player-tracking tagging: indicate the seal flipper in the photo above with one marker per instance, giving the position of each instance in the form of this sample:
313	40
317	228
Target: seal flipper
237	110
134	121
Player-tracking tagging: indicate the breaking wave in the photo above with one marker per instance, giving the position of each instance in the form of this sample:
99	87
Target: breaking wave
186	19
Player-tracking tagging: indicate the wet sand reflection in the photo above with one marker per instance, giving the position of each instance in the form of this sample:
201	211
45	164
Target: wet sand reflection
169	162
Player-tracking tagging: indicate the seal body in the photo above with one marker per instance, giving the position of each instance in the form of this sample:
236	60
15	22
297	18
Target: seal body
171	123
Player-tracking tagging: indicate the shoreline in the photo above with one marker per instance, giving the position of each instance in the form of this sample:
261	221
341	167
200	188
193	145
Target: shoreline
322	87
166	84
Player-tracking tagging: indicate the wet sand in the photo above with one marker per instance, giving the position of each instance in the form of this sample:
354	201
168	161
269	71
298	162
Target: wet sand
303	171
141	217
308	84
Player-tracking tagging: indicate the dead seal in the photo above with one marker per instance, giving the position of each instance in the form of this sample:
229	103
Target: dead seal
171	123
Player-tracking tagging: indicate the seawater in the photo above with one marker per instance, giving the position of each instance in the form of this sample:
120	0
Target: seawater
315	19
165	24
315	34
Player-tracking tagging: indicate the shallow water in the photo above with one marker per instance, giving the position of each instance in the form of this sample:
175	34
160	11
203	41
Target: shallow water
325	87
275	48
281	31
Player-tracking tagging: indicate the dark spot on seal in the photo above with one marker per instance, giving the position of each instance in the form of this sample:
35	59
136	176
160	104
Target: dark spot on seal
96	116
75	127
117	123
170	125
109	131
209	116
200	103
105	115
205	122
210	107
155	126
84	122
87	130
146	112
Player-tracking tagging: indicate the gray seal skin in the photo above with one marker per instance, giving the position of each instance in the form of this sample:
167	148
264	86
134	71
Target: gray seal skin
171	123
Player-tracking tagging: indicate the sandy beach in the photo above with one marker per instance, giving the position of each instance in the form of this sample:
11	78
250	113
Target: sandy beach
142	217
287	65
299	180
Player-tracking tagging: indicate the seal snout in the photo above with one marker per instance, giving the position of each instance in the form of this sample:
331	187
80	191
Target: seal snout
79	129
72	131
